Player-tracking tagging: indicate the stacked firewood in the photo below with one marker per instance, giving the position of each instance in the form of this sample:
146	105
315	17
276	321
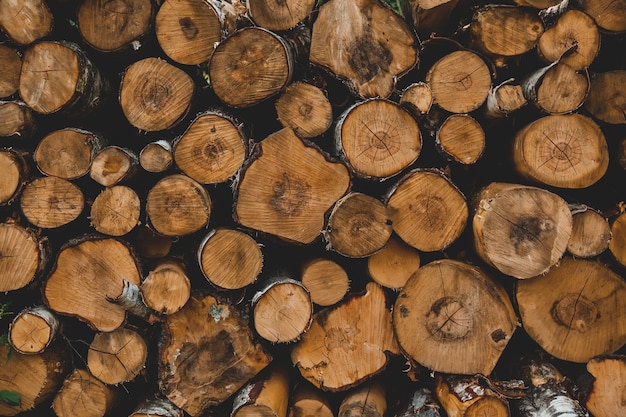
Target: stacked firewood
298	208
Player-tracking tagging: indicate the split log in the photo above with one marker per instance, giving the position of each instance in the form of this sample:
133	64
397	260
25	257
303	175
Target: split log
358	226
26	381
567	151
155	95
326	281
26	21
204	367
368	399
607	14
118	356
282	310
502	31
607	96
557	88
23	256
347	344
304	108
58	76
10	72
111	27
177	205
115	211
158	408
267	395
465	396
417	98
429	16
370	52
421	404
33	329
14	174
51	202
461	139
279	15
67	153
427	210
606	396
377	139
504	99
103	265
156	156
307	401
288	187
212	149
230	259
576	311
520	230
113	165
85	396
167	288
254	64
392	266
460	81
16	120
573	29
617	246
458	323
591	232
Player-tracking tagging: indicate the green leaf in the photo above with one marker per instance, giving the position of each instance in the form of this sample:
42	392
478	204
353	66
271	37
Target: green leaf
10	397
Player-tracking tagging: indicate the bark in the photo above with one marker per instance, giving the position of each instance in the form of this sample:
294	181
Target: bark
203	368
17	120
287	188
156	156
377	139
230	259
10	72
118	356
155	95
212	149
104	265
347	344
23	255
421	403
607	97
158	408
115	211
520	230
113	165
85	396
114	27
358	226
14	174
369	399
591	232
67	153
267	395
576	311
326	281
33	329
166	288
461	139
51	202
304	108
606	396
438	326
427	210
465	396
279	15
26	21
392	266
370	52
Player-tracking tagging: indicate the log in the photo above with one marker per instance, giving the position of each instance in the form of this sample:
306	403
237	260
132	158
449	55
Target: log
556	88
156	156
278	15
166	289
33	329
212	149
308	401
417	98
304	108
567	151
25	22
118	356
575	311
440	326
370	52
230	259
150	244
282	310
67	153
104	264
377	139
520	230
16	119
113	165
158	408
203	368
24	255
591	232
14	174
10	72
461	139
368	399
51	202
609	384
287	188
347	344
606	97
85	396
111	27
465	396
617	245
606	14
325	280
155	95
58	76
392	266
358	226
428	211
27	381
267	395
115	211
504	99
